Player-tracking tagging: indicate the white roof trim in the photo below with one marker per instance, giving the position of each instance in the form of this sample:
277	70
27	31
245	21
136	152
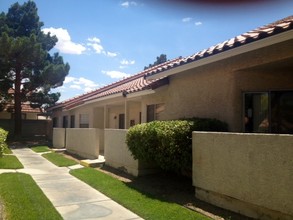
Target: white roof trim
116	95
98	99
140	93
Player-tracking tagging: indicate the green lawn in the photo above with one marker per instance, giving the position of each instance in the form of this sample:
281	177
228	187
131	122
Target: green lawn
10	162
40	149
59	160
23	199
146	206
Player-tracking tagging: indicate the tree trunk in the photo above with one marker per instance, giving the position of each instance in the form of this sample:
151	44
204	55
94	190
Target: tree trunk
17	104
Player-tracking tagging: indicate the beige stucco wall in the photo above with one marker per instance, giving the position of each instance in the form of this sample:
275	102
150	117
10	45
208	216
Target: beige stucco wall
133	112
118	156
84	142
215	90
59	137
98	117
248	173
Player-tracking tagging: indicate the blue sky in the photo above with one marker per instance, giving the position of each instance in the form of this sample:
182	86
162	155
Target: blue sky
106	40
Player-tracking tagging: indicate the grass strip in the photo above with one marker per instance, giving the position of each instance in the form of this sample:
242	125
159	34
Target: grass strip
23	199
59	160
144	205
10	162
40	149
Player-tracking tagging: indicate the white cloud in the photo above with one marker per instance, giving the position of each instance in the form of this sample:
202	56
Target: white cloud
75	87
127	62
128	3
64	44
69	79
198	23
95	44
97	47
86	82
80	83
110	54
187	19
94	39
116	74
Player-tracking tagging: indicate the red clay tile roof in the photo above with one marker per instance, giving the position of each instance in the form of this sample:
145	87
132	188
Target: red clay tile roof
25	108
125	86
277	27
138	82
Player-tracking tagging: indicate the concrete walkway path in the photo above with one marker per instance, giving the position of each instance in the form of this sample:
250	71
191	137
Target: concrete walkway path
72	198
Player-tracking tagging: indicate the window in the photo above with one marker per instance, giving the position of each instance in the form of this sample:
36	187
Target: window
282	112
83	121
154	111
55	122
121	121
72	121
269	112
65	122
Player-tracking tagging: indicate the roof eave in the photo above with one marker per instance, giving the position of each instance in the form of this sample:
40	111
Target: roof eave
278	38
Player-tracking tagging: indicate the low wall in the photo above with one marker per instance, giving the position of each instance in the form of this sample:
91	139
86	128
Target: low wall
251	174
83	141
118	156
30	128
59	137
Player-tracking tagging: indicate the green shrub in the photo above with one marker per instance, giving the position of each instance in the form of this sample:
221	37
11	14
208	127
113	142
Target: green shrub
168	143
3	136
207	124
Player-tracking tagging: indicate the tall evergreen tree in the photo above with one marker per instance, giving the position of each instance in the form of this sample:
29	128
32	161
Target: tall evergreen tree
25	62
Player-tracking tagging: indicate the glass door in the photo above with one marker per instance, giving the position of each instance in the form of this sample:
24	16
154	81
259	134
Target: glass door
282	112
256	112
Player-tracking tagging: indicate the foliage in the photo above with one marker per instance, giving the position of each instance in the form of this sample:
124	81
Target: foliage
168	143
207	124
59	160
3	137
161	59
10	162
145	205
23	199
7	150
26	66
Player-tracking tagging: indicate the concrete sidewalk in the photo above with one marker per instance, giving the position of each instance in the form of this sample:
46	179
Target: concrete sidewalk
72	198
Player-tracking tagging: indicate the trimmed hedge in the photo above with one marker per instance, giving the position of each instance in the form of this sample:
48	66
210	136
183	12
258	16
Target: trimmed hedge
3	137
168	143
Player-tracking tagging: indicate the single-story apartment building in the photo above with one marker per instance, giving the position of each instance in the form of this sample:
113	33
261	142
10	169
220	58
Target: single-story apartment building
246	81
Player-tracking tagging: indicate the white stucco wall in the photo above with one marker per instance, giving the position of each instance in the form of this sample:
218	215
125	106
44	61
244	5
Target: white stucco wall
84	142
118	156
59	137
